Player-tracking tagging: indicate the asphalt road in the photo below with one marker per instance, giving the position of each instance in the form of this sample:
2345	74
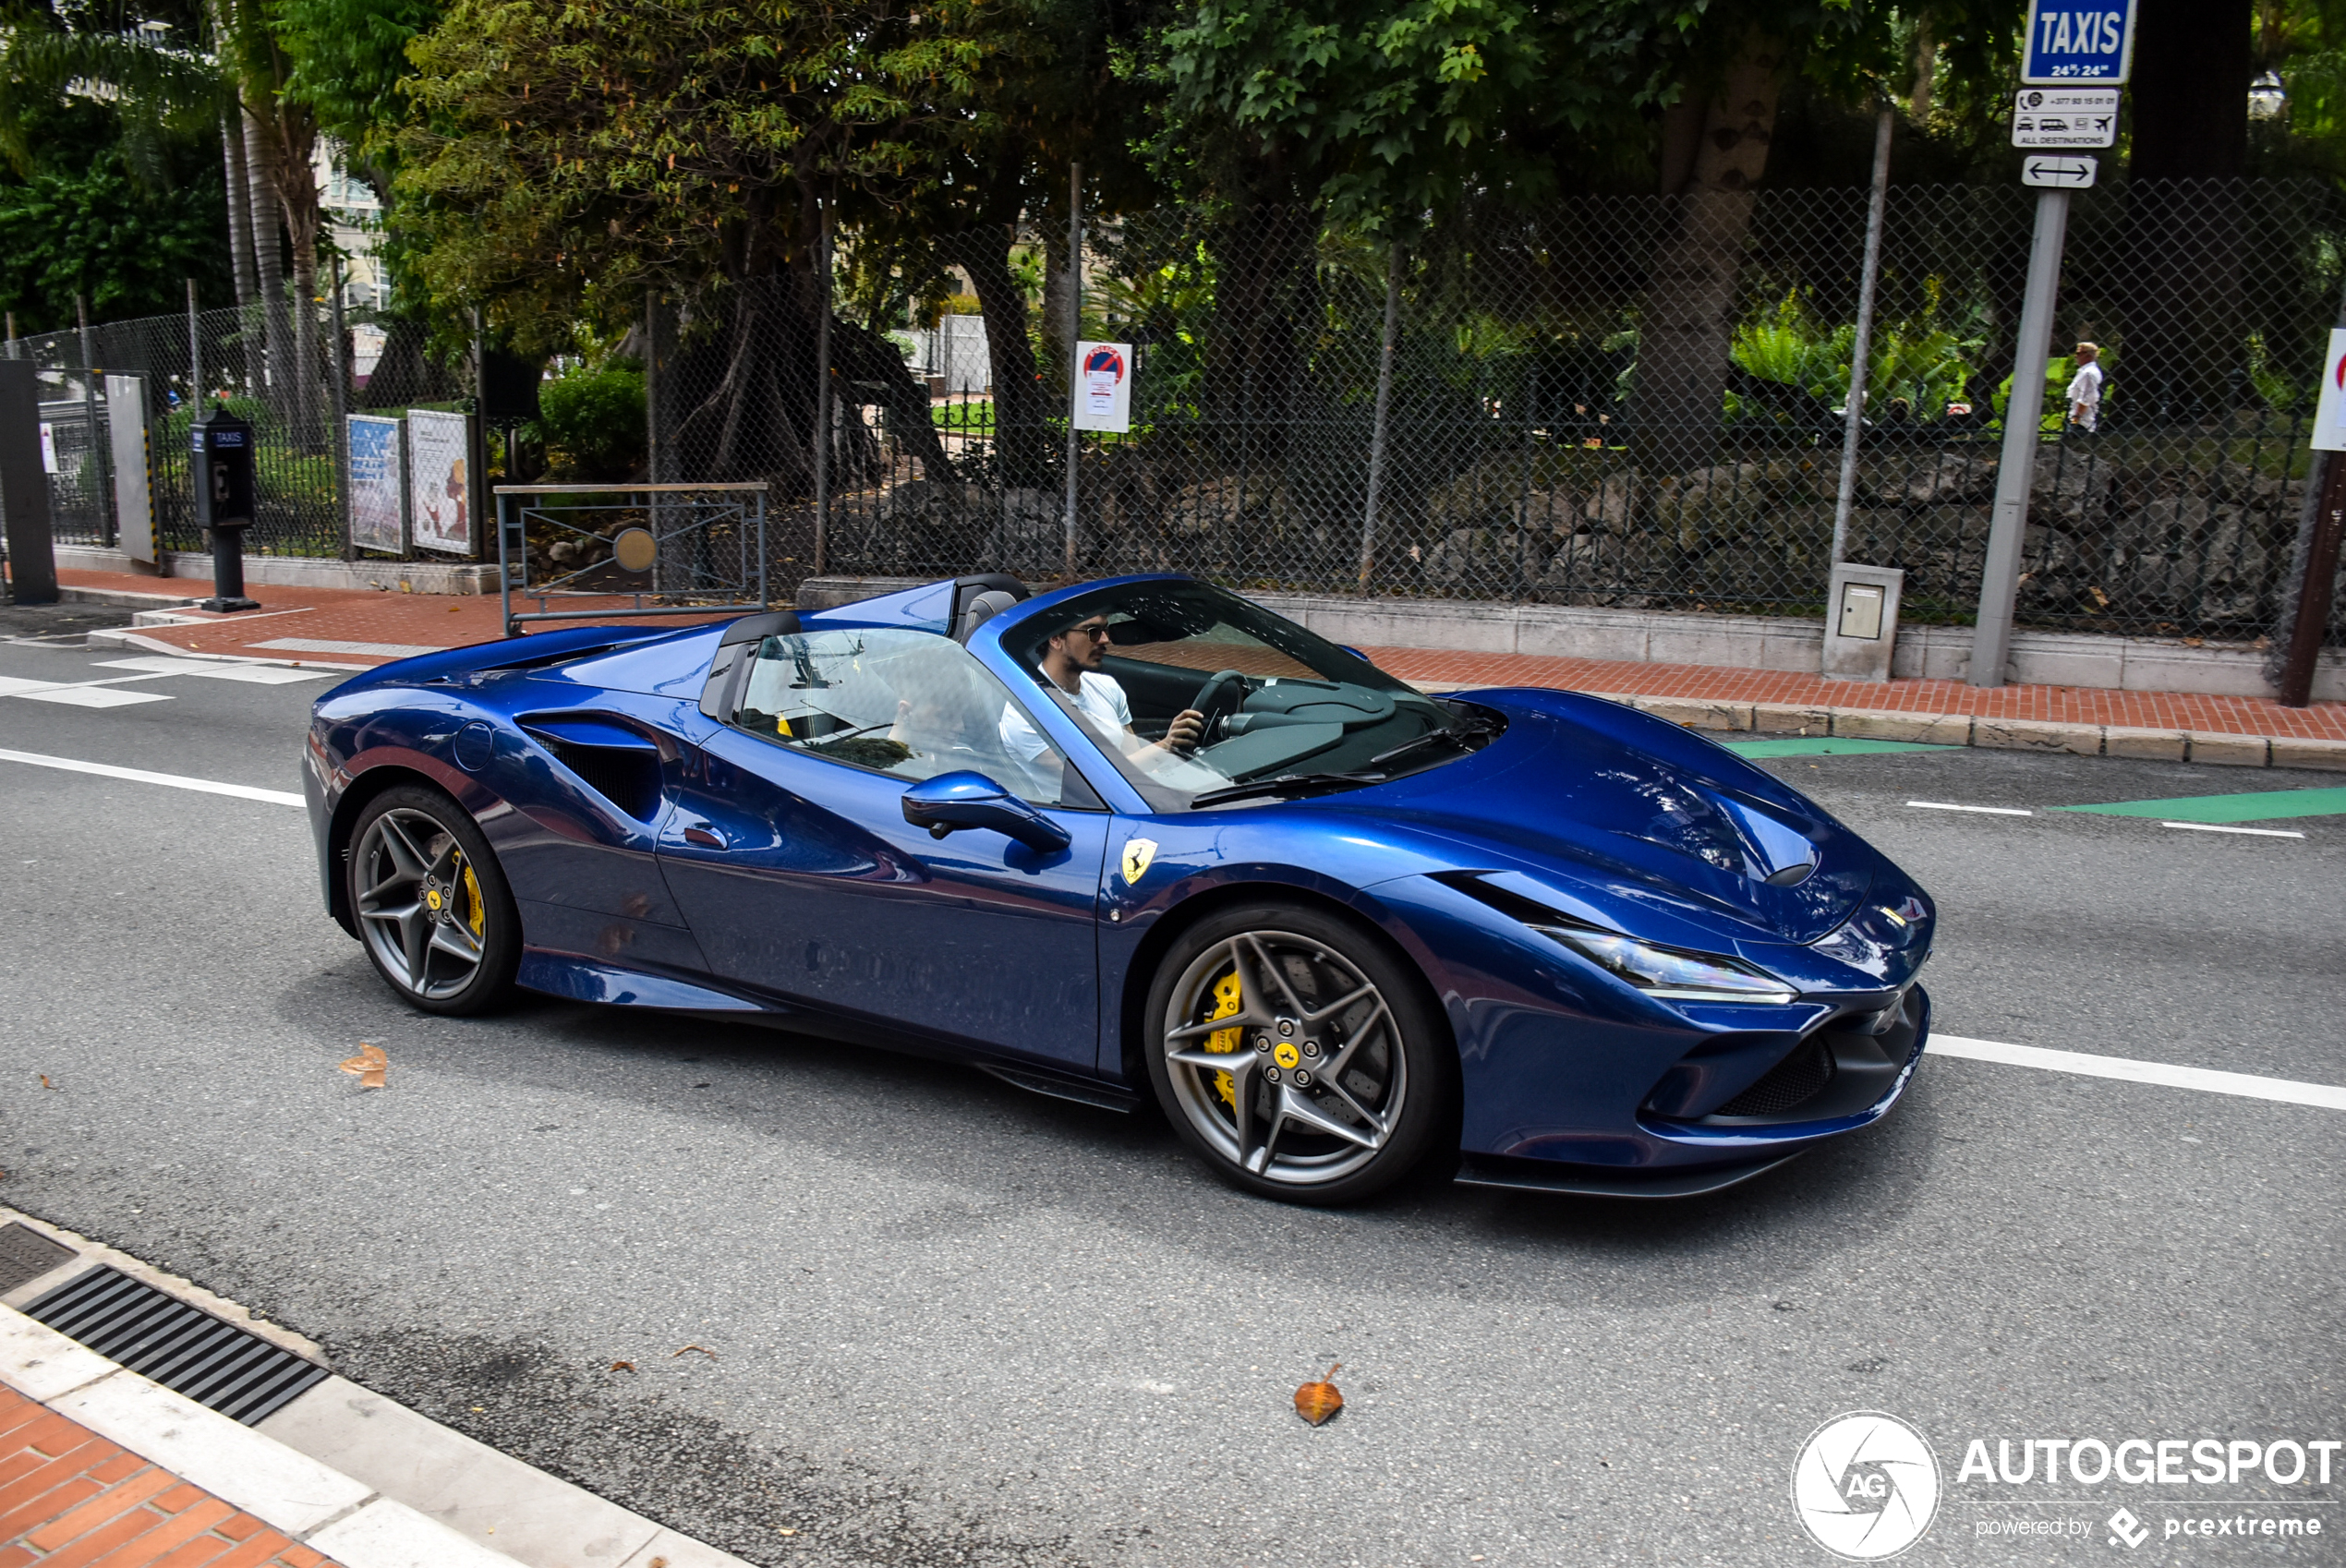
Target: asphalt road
943	1322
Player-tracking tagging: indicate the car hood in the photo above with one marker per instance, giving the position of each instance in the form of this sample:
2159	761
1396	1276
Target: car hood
1598	802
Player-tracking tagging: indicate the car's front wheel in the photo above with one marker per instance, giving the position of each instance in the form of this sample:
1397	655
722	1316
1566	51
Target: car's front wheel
1296	1054
433	907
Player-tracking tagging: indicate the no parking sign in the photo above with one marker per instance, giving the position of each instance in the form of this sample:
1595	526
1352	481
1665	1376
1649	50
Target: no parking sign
2329	415
1104	386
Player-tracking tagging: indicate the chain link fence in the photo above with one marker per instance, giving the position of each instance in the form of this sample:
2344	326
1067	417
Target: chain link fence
275	369
1620	401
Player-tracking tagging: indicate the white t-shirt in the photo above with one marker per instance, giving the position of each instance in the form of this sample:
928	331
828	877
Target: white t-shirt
2085	392
1099	698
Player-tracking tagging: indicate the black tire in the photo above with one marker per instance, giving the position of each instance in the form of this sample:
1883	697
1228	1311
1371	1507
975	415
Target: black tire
1353	1096
460	920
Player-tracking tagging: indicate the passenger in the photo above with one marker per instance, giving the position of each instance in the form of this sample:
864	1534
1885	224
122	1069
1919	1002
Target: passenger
1070	662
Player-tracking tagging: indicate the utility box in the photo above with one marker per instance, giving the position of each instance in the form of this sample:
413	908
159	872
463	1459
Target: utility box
1861	621
226	496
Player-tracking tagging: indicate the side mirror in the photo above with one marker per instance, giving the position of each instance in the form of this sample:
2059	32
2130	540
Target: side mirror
953	800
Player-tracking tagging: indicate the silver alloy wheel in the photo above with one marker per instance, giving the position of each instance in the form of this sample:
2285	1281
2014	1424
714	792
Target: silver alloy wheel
420	903
1315	1084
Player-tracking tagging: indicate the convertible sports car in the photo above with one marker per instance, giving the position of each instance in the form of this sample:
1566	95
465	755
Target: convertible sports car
1141	838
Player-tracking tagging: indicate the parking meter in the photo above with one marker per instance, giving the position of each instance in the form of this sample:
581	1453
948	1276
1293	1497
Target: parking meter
223	460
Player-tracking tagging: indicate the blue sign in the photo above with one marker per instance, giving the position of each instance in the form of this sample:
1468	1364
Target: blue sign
2078	41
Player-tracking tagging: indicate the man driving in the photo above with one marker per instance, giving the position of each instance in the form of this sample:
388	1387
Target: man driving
1071	662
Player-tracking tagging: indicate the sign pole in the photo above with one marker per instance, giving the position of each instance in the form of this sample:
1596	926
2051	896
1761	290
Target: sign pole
2016	471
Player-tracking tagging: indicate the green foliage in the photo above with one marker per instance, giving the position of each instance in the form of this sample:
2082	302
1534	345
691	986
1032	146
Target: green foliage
349	59
591	421
1919	361
80	222
568	156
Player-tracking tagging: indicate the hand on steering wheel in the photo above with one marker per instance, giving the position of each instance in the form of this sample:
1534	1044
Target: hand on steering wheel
1216	702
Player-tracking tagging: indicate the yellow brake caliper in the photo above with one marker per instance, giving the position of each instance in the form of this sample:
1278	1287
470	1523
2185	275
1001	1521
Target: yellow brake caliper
1228	1000
475	915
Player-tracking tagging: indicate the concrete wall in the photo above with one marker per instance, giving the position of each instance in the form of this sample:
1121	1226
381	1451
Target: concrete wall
1744	642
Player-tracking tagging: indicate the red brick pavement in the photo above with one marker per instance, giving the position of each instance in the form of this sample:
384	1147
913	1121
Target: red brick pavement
70	1499
454	621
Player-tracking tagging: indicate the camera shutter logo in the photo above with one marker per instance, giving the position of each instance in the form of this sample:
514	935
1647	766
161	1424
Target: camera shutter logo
1866	1486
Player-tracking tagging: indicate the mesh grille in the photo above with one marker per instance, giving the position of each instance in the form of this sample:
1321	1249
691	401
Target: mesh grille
187	1351
1792	1083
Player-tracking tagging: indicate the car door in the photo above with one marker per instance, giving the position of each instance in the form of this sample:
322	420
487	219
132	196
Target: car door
790	856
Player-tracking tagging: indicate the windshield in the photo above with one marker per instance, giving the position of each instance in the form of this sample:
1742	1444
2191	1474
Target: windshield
1192	690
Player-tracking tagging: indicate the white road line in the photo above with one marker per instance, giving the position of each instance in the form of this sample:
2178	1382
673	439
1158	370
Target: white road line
2206	1080
141	776
94	693
1990	810
325	644
2221	827
254	674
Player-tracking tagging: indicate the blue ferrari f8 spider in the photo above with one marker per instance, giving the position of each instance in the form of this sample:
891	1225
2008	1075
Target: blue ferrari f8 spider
1136	840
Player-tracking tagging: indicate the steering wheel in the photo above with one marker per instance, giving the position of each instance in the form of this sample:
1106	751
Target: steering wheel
1217	701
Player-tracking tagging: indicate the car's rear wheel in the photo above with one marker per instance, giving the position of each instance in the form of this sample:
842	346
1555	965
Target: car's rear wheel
433	909
1296	1054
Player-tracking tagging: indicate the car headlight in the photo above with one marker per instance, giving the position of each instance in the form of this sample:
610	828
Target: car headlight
1672	973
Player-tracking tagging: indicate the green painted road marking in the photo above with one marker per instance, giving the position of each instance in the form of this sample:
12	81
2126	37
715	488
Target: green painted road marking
2257	805
1825	746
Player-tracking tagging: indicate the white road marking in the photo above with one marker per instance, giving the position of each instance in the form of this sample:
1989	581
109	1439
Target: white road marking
255	674
1990	810
2223	827
94	695
17	685
141	776
324	645
2208	1080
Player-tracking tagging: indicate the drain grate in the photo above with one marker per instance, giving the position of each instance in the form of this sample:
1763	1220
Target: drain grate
26	1255
185	1350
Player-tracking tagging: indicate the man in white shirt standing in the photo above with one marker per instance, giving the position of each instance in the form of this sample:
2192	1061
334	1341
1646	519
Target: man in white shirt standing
1071	662
2084	391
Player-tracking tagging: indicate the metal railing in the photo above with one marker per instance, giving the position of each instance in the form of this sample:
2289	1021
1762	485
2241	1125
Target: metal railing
630	549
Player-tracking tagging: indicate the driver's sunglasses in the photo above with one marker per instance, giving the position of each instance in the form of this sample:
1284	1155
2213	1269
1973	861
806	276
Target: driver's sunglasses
1097	633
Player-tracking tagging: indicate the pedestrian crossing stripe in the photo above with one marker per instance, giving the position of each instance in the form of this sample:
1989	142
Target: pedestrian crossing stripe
2255	805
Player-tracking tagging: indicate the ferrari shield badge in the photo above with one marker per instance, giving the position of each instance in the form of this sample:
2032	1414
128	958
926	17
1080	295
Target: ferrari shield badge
1138	852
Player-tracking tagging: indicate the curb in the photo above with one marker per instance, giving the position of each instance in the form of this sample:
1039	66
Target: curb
1967	729
2001	734
321	1508
344	1471
118	636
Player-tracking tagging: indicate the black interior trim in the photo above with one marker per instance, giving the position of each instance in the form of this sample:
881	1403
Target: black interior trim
758	628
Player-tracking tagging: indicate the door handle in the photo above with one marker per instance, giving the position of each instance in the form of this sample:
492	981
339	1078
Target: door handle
708	838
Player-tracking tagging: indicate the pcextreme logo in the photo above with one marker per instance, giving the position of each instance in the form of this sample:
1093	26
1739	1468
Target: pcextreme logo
1866	1486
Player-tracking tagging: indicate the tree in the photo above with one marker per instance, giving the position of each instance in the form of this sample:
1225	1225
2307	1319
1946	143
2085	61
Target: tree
567	159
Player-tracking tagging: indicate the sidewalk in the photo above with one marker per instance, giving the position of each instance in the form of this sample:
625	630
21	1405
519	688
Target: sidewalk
105	1466
69	1498
360	629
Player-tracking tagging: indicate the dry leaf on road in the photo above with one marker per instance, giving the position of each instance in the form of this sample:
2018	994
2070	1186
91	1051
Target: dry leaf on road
369	1066
702	1348
622	1365
46	1083
1317	1402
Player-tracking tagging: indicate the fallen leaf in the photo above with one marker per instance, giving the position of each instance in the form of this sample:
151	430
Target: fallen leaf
622	1365
368	1066
660	1562
784	1531
1318	1402
702	1348
46	1083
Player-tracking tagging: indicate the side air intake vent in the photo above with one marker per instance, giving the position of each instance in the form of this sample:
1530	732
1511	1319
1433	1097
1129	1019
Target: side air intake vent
187	1351
627	778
